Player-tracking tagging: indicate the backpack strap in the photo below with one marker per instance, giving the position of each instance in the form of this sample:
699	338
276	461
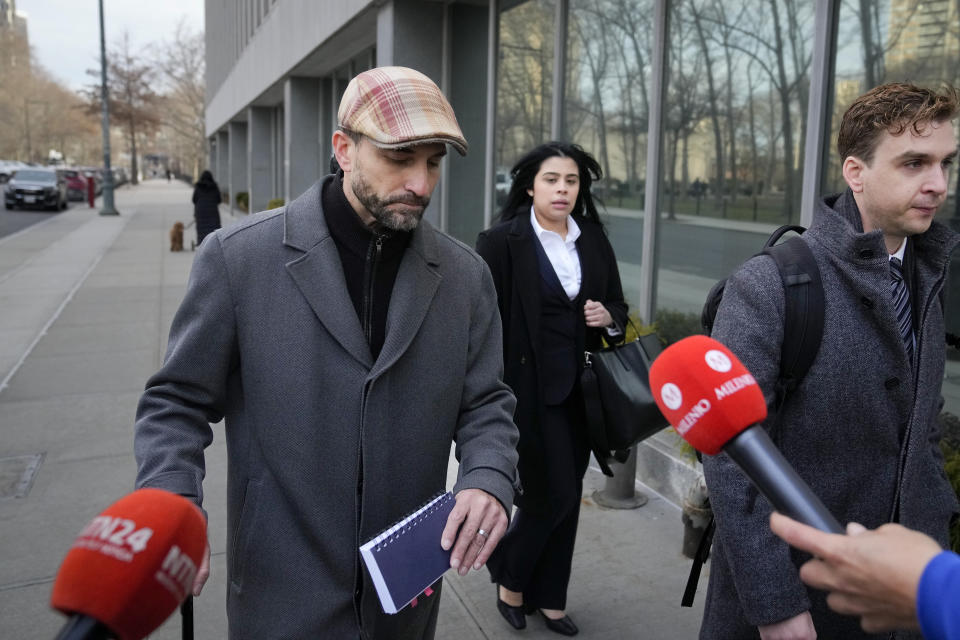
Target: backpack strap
803	311
802	334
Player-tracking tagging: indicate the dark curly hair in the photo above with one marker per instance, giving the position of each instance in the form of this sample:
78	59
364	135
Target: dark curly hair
892	107
526	168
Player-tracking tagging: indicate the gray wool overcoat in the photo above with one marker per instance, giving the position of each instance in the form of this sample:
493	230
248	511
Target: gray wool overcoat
861	428
326	447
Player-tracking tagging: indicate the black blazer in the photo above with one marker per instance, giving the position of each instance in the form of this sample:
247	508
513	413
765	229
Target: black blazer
509	251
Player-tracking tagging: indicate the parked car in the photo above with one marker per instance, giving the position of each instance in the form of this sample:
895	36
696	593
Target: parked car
7	169
76	184
35	188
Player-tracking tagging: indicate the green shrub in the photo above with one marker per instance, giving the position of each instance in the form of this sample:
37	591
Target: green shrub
672	325
636	328
243	200
950	446
275	203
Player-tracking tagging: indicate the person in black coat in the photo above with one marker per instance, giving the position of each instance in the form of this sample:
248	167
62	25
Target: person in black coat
206	205
559	293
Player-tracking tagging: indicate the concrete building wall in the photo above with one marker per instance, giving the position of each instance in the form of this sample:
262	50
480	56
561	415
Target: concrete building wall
468	95
222	176
301	154
292	30
238	160
259	157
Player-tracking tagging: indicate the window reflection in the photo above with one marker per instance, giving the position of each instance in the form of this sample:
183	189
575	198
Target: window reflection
606	111
902	41
524	85
735	122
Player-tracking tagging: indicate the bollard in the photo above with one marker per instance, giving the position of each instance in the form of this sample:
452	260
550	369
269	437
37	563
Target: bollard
619	492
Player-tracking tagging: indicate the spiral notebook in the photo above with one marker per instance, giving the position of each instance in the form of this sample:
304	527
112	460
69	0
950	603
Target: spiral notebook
407	558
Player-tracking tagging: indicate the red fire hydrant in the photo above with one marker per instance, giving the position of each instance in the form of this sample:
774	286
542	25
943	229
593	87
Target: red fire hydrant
91	190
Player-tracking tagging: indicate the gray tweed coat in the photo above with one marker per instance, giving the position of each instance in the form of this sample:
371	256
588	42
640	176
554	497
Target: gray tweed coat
326	447
861	428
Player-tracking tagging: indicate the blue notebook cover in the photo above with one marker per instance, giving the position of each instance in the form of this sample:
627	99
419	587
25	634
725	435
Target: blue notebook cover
407	558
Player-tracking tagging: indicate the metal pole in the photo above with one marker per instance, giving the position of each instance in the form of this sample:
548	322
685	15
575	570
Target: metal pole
619	492
26	117
108	208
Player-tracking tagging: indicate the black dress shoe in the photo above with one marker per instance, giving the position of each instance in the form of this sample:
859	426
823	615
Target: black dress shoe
513	615
563	626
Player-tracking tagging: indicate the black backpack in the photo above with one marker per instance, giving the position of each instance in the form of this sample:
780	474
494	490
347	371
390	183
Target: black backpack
803	312
802	333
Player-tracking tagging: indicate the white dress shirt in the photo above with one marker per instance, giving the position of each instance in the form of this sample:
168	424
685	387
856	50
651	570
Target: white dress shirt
562	253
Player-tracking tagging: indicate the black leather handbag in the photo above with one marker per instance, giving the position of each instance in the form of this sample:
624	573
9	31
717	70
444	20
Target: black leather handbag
619	406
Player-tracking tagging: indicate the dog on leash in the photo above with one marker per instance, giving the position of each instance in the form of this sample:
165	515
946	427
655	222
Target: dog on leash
176	237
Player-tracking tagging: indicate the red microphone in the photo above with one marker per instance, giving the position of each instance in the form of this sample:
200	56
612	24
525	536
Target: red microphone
131	567
714	403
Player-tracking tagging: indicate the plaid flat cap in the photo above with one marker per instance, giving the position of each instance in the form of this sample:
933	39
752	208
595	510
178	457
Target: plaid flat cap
396	107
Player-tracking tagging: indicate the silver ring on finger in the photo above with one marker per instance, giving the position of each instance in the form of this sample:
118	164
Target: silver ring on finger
481	532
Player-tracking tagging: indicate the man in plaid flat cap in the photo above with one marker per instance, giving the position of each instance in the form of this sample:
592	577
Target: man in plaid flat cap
346	343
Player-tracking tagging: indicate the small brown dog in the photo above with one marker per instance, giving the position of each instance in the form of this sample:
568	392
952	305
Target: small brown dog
176	237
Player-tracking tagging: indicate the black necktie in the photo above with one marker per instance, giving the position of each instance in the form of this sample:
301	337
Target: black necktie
901	302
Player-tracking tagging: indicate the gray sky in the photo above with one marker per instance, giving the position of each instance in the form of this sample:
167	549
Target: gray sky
65	34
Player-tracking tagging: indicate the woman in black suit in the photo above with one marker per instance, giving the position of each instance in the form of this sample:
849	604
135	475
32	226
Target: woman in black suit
559	294
206	205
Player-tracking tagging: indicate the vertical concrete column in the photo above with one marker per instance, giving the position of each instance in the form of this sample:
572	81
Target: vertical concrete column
301	133
222	176
409	35
468	95
278	144
238	161
259	157
326	123
211	156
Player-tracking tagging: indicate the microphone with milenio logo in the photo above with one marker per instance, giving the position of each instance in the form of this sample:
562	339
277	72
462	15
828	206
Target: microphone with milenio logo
130	567
714	403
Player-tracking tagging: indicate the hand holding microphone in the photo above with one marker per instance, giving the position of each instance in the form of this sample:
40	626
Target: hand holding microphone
714	403
130	567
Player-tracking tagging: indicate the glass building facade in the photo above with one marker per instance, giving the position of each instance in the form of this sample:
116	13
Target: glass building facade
714	120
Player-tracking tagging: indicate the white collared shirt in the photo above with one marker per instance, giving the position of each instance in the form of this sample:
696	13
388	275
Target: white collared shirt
901	251
562	253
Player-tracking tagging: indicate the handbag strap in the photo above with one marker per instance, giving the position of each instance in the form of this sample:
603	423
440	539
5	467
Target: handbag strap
699	558
596	424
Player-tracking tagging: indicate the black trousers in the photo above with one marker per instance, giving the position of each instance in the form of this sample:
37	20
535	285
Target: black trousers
535	555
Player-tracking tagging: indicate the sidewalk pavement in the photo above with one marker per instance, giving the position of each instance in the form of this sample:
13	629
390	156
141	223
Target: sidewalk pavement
85	305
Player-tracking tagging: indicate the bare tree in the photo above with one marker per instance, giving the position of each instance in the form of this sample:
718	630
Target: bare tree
633	18
181	65
754	152
712	99
525	65
686	106
874	46
726	38
769	51
133	102
594	35
37	114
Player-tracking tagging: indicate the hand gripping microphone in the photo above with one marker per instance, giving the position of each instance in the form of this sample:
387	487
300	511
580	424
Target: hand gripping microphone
714	403
131	567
